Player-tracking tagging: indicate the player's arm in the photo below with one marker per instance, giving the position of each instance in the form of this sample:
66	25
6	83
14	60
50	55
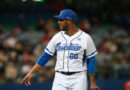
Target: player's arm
92	80
91	71
27	78
44	58
90	53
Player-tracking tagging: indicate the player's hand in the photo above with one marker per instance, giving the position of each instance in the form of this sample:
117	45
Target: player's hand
26	80
94	87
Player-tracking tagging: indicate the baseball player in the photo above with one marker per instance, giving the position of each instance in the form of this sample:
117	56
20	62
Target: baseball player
73	48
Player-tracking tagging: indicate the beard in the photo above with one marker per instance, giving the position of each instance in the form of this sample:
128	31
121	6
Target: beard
65	27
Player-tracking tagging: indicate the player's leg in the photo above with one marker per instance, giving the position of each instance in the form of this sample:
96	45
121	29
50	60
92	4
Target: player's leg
59	83
81	82
56	86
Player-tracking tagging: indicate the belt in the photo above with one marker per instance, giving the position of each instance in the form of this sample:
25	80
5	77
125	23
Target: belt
67	73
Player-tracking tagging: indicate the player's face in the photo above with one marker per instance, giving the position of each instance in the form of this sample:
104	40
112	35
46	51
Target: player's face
63	24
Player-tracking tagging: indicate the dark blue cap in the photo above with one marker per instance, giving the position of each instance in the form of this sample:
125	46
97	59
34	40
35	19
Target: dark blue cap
67	14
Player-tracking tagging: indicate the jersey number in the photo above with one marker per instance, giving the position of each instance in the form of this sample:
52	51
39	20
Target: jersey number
73	56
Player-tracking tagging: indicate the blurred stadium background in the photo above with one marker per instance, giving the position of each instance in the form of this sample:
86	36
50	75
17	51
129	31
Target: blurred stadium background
26	26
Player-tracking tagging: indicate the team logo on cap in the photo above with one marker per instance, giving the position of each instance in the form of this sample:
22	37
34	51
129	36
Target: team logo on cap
60	12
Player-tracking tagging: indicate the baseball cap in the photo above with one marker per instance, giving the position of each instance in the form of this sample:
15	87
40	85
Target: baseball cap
67	14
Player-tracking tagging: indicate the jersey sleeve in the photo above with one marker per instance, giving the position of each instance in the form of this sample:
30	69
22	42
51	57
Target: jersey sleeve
50	49
91	49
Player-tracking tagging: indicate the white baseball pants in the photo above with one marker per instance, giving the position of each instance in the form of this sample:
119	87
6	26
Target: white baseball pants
77	81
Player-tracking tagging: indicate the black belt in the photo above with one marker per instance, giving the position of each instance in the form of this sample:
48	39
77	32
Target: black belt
67	73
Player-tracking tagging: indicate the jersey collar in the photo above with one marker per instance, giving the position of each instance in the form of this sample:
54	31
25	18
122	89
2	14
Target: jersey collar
73	36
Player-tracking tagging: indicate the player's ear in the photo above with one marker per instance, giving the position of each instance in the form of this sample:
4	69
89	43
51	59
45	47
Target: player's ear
69	21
